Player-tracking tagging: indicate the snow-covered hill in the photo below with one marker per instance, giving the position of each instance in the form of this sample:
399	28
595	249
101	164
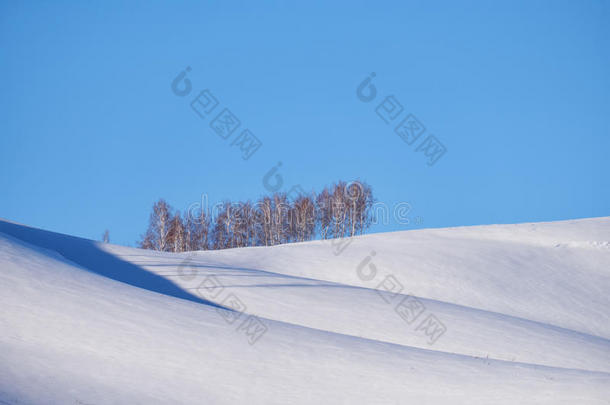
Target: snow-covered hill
512	314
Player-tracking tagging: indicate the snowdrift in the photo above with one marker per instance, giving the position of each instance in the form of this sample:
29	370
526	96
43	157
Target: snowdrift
473	315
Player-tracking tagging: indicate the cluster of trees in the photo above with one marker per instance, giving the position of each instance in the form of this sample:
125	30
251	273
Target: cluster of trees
343	209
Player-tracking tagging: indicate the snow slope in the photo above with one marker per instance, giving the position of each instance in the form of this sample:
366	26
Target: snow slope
477	315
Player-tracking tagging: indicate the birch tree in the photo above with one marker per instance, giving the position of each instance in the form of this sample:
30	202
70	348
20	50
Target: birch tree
156	236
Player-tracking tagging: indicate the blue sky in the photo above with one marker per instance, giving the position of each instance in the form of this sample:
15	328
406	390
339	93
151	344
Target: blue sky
91	133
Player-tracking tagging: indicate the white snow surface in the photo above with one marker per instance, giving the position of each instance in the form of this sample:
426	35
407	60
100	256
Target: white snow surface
515	314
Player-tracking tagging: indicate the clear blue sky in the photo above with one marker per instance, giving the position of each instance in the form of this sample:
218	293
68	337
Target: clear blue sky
91	133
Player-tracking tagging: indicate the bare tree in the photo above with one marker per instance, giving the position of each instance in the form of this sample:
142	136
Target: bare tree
338	209
106	236
197	230
146	241
156	236
176	235
302	219
222	231
241	222
263	217
248	226
280	219
358	202
324	213
344	209
363	209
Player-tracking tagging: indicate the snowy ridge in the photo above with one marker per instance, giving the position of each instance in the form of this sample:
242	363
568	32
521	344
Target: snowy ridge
524	308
